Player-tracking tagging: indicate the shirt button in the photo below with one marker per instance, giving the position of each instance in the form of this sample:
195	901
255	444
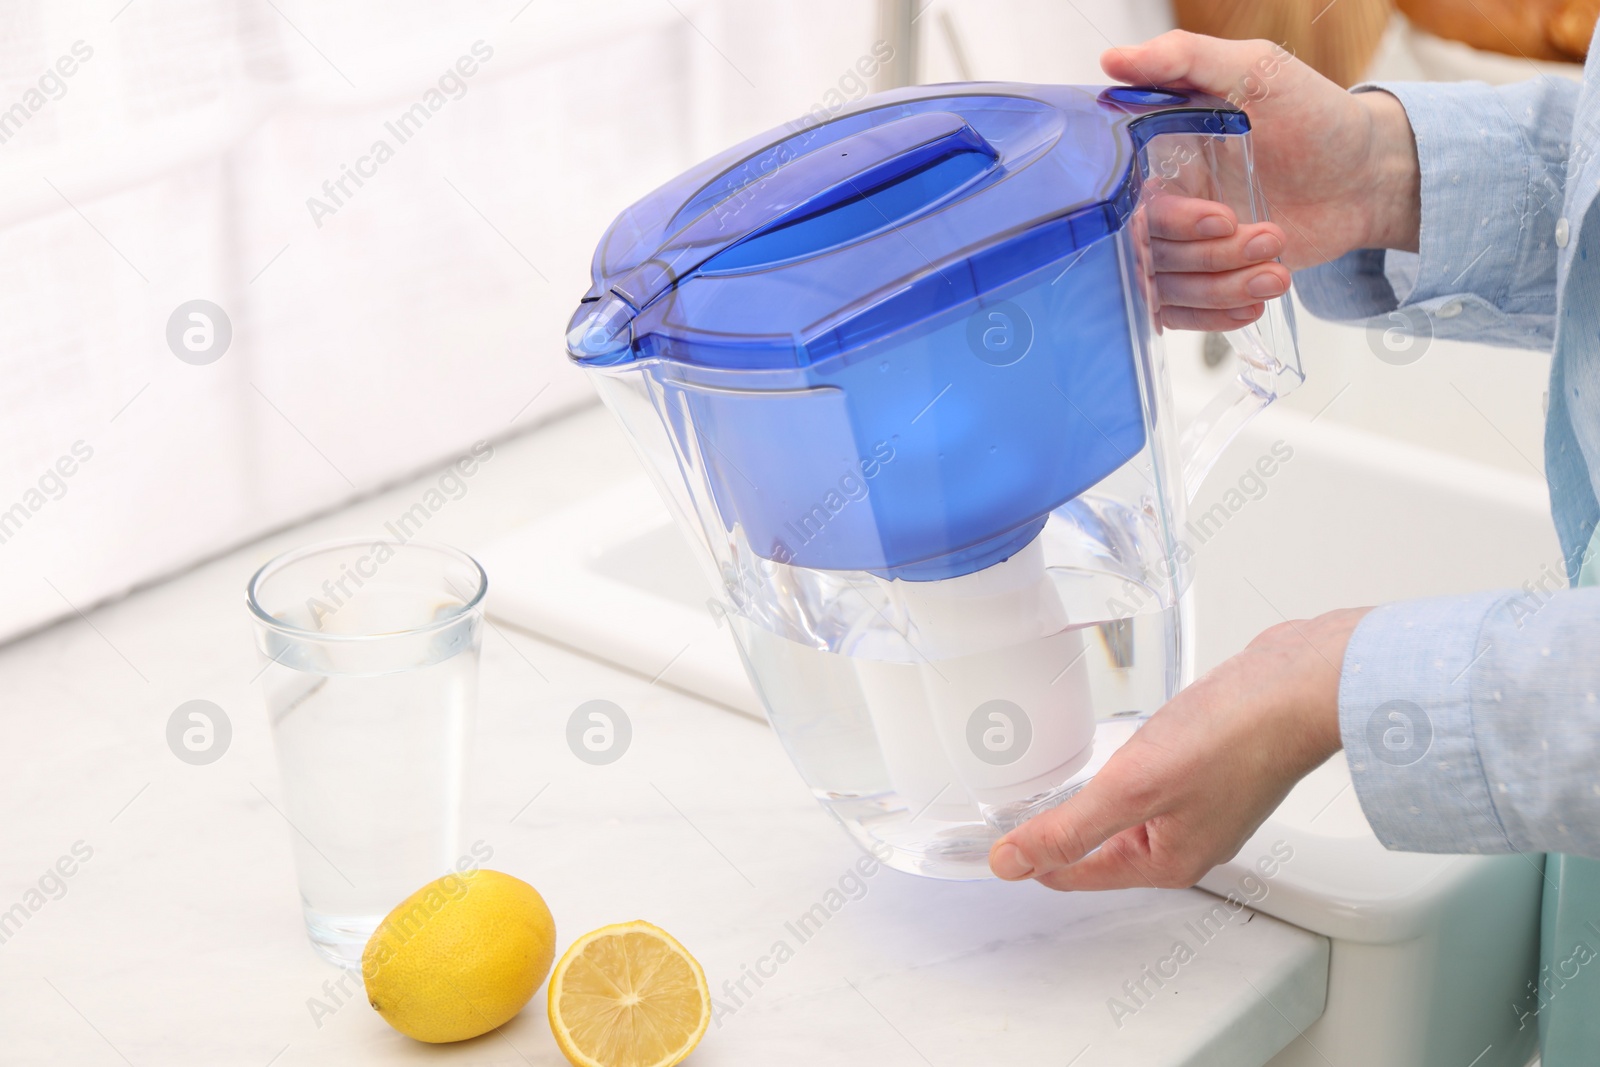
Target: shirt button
1563	231
1449	310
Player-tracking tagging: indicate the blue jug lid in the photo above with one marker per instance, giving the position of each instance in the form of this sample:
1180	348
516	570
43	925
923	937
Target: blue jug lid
813	239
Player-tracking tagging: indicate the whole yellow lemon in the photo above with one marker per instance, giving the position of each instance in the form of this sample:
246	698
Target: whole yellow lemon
460	956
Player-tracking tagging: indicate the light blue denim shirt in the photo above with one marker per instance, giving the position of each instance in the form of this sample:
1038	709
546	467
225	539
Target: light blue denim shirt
1472	723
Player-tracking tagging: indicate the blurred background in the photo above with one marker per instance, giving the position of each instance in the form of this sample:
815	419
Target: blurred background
392	208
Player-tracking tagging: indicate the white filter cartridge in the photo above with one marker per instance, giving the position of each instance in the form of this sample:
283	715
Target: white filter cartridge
1005	682
918	768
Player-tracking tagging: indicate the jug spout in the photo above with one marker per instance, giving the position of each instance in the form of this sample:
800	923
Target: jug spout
601	331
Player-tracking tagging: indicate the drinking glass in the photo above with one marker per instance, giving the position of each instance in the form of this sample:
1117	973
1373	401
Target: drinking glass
370	677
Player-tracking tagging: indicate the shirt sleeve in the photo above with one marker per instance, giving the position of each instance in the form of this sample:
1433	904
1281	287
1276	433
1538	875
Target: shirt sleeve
1493	173
1471	723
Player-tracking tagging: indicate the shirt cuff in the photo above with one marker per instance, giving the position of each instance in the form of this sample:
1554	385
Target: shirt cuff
1405	716
1485	269
1477	173
1354	286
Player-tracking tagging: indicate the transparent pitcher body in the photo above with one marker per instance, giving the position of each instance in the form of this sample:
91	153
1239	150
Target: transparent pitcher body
951	552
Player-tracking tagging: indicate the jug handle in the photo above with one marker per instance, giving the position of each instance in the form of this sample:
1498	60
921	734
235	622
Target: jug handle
1263	377
1269	361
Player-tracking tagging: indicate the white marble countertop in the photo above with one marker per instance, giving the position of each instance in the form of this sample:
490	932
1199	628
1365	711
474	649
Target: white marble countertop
179	940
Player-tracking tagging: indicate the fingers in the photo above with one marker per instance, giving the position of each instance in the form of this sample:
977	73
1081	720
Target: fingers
1065	834
1130	860
1211	271
1188	218
1209	321
1123	862
1191	61
1252	243
1230	289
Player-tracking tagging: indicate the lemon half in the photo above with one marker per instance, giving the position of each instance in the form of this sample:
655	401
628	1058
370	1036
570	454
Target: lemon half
628	995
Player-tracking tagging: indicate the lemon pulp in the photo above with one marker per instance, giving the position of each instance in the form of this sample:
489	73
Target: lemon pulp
628	995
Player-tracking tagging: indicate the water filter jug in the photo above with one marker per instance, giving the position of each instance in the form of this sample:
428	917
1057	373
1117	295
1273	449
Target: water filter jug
898	374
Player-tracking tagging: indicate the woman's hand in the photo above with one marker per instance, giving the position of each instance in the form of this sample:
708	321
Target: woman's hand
1338	172
1192	785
